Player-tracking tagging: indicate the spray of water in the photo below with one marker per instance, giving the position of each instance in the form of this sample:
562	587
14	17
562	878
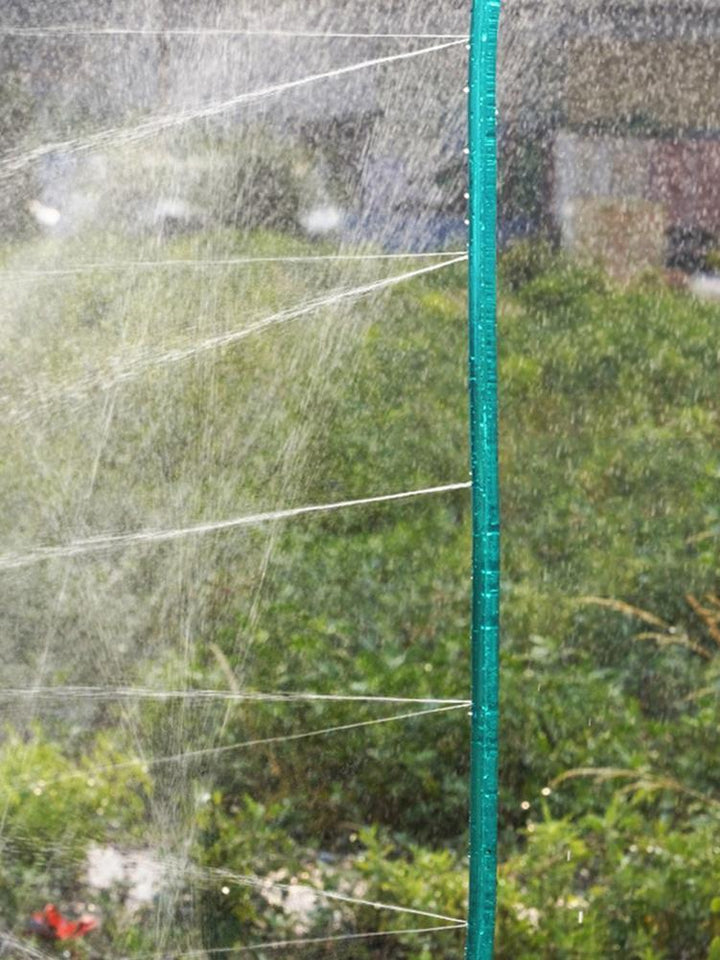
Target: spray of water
178	197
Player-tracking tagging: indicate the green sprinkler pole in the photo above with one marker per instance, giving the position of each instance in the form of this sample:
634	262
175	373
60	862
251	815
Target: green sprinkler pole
482	297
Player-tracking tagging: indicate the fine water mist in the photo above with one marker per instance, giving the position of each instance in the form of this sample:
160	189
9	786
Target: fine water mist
234	516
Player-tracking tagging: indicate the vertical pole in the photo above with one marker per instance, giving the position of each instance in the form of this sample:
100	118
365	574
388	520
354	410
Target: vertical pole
482	297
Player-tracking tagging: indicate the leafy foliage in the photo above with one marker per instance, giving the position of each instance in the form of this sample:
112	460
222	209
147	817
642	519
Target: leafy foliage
609	763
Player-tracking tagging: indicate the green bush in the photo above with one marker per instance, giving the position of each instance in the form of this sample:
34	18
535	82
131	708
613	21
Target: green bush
524	261
609	772
54	807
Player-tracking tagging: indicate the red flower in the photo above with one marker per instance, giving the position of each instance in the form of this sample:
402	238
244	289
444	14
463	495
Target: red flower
50	924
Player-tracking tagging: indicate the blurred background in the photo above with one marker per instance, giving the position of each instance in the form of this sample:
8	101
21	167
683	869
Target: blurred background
231	283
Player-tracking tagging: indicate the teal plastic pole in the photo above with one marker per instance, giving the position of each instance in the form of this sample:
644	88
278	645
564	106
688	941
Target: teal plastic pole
482	300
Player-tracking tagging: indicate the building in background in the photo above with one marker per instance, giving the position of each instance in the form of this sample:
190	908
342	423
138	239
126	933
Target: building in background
609	117
625	135
374	156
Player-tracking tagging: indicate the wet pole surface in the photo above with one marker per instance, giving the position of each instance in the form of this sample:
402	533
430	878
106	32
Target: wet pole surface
482	297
